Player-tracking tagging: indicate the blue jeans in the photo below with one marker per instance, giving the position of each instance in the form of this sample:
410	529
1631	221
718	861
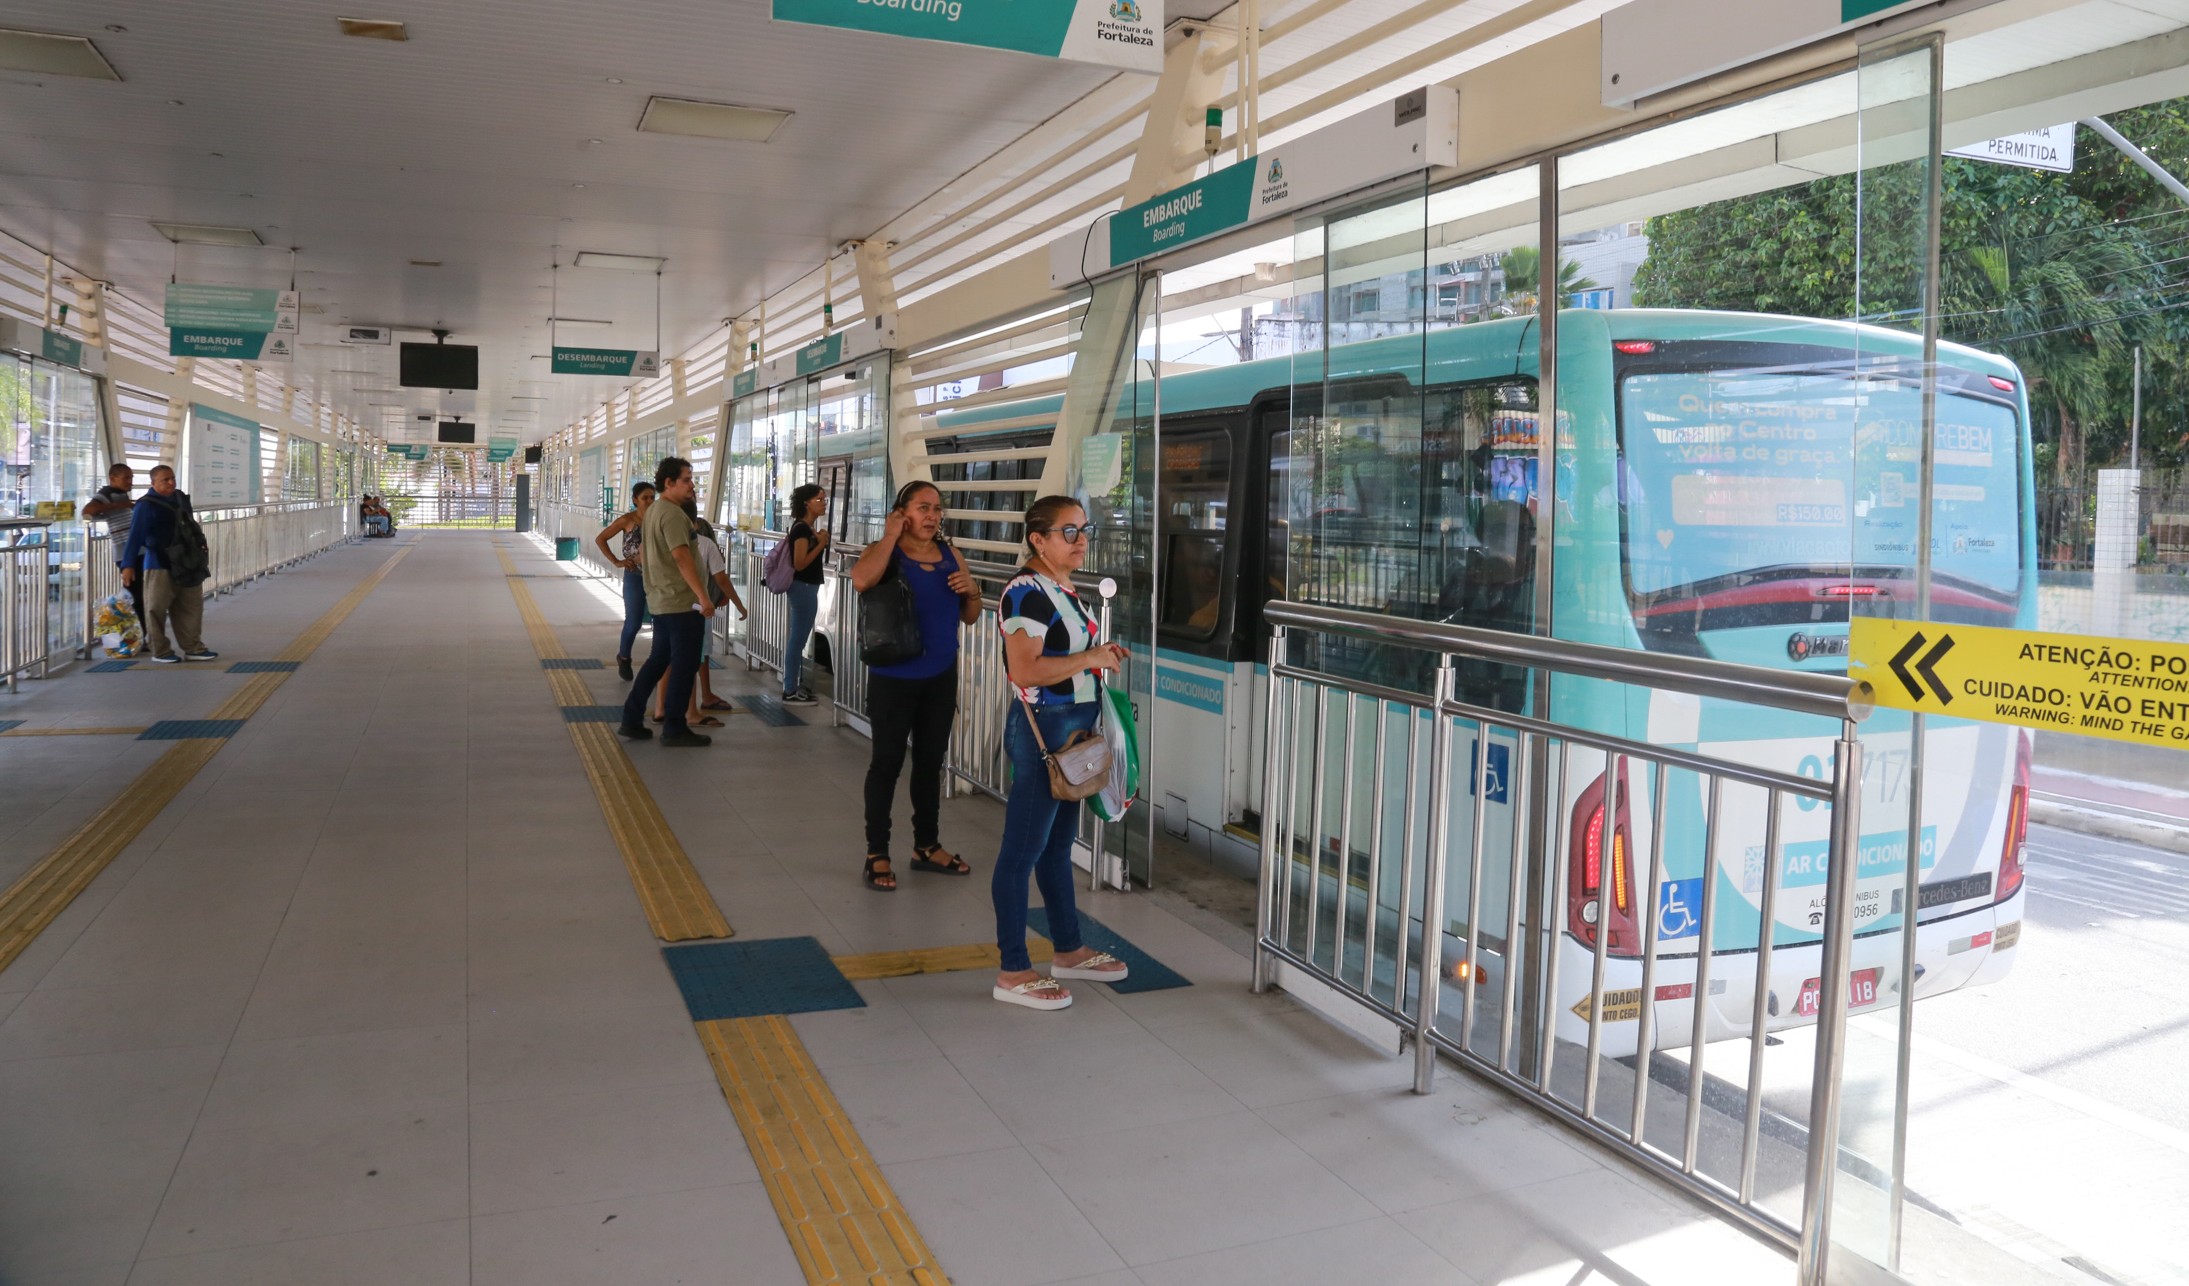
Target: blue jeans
805	608
673	662
1038	830
634	611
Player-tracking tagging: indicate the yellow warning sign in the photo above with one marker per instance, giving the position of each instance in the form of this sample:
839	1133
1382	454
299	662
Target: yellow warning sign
1619	1006
2125	689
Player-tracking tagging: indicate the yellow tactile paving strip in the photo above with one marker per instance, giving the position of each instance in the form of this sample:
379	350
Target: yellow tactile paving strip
901	964
843	1219
44	891
676	900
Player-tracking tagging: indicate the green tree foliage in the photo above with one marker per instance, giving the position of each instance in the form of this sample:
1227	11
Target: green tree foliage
2065	274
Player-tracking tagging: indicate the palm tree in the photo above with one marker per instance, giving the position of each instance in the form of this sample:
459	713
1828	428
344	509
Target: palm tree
2054	304
1522	265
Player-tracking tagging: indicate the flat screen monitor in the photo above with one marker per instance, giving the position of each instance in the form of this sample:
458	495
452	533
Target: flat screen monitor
440	366
457	431
532	455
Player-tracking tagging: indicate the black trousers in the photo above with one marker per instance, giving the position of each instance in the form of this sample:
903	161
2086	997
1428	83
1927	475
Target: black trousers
921	711
677	636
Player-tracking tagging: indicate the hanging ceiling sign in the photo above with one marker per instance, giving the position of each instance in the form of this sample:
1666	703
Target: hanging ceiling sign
2051	148
1108	33
746	382
1650	46
605	361
192	304
1416	131
236	345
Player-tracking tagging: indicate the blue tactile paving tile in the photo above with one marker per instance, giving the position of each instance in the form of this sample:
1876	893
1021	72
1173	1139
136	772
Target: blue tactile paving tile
1143	971
6	724
749	979
592	714
264	667
769	710
570	663
189	729
110	667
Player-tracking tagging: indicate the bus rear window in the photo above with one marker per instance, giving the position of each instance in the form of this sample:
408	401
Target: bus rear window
1736	470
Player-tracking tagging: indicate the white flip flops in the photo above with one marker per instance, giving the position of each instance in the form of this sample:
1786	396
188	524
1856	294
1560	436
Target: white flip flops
1091	970
1041	993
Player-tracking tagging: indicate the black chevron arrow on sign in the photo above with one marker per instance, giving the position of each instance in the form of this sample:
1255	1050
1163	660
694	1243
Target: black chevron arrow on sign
1923	667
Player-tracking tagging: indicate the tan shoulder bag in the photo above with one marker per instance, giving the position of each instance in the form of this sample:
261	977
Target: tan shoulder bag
1080	768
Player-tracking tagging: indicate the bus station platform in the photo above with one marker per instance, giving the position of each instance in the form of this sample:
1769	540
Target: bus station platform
366	953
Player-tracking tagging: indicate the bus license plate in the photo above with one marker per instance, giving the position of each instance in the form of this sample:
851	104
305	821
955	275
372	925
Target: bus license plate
1861	990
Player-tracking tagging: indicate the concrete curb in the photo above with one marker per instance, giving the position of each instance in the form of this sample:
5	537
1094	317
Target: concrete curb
2107	824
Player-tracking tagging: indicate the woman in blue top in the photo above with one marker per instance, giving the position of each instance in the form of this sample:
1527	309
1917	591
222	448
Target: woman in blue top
1054	658
915	699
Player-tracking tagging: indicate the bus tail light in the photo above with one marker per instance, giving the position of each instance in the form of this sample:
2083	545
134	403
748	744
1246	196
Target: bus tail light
1634	347
1602	845
2009	882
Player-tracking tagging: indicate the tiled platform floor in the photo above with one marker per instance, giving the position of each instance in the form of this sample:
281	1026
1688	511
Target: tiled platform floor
373	1001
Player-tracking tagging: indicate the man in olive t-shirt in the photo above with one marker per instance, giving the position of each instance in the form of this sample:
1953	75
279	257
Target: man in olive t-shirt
681	605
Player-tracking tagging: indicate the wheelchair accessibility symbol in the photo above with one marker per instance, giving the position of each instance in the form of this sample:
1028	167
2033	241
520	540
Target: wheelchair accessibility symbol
1679	909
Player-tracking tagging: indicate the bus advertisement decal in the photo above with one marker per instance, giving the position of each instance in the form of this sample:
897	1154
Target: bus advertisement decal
2121	689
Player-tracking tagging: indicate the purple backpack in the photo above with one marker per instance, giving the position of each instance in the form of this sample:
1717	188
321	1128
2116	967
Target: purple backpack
777	570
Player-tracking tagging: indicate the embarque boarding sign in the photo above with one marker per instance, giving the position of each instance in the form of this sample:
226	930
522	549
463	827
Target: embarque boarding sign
2123	689
1108	33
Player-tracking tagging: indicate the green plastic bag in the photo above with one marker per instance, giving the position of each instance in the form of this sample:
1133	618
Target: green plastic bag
1117	727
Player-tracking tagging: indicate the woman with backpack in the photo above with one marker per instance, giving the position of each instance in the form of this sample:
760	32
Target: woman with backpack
634	578
807	544
1054	655
915	700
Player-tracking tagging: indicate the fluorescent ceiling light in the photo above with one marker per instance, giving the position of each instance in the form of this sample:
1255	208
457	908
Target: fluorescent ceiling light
201	234
37	51
710	120
579	321
626	263
373	28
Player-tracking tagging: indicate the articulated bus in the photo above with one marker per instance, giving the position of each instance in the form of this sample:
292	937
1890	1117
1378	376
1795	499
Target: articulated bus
1727	485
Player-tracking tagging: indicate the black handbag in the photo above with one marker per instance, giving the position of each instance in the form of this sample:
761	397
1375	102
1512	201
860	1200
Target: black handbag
889	620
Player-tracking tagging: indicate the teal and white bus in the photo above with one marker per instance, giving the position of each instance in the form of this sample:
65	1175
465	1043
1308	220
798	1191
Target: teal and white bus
1727	485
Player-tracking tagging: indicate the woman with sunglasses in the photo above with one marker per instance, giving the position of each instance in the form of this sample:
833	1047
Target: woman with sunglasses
1054	658
915	700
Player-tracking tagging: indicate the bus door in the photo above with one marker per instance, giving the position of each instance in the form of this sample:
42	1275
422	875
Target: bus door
1193	675
835	479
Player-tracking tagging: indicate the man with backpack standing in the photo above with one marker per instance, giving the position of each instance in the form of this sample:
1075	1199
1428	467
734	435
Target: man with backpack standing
167	548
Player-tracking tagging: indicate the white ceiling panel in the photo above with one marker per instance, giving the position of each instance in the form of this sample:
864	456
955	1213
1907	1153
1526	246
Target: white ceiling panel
495	138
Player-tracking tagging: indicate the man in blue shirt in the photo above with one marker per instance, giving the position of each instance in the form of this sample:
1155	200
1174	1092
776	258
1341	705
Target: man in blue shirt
163	525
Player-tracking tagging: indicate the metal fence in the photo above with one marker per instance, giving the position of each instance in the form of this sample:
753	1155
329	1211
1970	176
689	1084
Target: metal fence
1385	864
53	579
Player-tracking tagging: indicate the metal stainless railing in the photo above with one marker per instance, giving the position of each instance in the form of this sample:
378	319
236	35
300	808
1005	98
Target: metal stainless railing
581	524
1379	857
24	562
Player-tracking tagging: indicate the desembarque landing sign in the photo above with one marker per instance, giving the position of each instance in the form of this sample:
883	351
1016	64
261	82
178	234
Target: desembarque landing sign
194	304
1650	46
604	361
1416	131
1126	34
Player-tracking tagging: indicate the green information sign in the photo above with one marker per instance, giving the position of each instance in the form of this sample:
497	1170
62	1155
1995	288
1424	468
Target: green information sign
1110	33
237	345
230	307
604	361
500	449
56	347
746	383
821	354
1200	209
1857	10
